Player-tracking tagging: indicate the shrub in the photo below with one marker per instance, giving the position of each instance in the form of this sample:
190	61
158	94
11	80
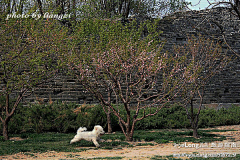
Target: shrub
2	139
174	117
42	118
65	118
210	117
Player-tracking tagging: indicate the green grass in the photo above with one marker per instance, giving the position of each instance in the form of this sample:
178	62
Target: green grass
216	130
164	158
108	158
163	136
145	144
52	141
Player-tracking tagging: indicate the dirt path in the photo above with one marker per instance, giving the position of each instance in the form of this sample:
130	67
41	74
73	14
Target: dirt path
226	148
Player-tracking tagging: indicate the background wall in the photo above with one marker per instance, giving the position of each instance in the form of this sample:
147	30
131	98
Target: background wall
222	89
225	87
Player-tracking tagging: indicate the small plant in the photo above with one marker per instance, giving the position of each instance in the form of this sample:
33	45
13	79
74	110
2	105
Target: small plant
145	144
30	154
164	158
2	139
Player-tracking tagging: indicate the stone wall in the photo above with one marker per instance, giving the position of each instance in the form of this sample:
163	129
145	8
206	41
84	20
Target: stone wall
223	88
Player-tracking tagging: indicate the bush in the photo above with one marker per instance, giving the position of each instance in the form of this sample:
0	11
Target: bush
41	118
174	117
210	117
2	139
58	117
64	118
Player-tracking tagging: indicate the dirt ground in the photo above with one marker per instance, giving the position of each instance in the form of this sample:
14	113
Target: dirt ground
226	148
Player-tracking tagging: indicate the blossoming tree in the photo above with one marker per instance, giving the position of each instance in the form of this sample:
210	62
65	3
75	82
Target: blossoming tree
27	60
130	70
205	59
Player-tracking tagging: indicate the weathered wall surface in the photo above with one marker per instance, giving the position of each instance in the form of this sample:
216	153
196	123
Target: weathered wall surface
223	88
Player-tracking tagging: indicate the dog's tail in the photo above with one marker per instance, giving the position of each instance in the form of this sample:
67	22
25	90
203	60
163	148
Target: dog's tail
81	129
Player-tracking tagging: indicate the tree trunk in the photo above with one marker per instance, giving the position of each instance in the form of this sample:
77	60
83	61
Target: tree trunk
195	134
127	9
130	131
74	9
109	120
20	8
60	7
40	7
6	120
5	129
194	121
120	4
129	136
9	115
108	112
8	6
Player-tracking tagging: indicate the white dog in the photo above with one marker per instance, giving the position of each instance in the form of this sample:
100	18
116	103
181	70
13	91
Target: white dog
93	136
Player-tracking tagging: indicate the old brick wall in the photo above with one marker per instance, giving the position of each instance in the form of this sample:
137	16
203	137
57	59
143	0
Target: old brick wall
223	88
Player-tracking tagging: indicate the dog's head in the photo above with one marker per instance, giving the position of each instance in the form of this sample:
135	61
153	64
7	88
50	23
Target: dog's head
99	130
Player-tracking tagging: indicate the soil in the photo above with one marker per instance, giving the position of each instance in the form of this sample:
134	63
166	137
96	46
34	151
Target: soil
226	148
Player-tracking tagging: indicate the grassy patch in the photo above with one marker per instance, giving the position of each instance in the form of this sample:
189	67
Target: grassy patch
145	144
216	130
33	142
164	158
161	136
108	158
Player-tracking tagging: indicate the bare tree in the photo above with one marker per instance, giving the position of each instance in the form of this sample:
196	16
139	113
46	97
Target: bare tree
231	6
206	60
